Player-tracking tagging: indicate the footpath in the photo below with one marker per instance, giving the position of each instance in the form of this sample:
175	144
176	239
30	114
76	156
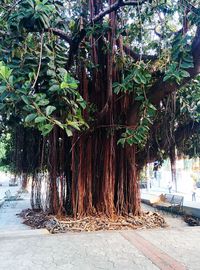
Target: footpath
8	219
10	224
21	248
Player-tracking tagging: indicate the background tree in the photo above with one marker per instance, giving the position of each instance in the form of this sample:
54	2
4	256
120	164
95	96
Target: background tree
90	93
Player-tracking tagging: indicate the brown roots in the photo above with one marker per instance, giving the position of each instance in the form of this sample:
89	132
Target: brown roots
99	222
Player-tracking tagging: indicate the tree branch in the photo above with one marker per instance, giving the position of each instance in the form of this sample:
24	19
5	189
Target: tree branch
80	36
60	33
55	31
162	88
115	7
137	56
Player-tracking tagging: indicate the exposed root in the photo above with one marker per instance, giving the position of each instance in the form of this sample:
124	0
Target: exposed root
91	223
192	221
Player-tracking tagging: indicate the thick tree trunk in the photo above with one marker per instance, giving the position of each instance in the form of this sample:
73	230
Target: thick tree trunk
106	179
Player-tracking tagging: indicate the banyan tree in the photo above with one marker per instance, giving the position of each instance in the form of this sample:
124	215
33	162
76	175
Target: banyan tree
93	90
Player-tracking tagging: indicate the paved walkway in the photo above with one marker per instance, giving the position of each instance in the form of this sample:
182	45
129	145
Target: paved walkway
8	219
164	249
175	247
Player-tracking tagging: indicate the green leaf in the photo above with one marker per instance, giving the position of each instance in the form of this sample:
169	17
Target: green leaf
43	102
72	25
51	73
121	141
10	80
83	104
46	129
152	107
167	77
40	119
115	84
139	98
4	95
138	138
187	65
25	99
64	85
3	88
63	72
185	74
73	124
188	58
30	117
44	20
69	132
54	88
142	78
137	79
73	85
49	110
81	101
5	72
117	89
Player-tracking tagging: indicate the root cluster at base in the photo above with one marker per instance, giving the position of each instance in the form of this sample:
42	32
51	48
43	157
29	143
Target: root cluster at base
40	219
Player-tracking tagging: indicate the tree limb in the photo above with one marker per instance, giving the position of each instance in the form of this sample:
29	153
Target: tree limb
115	7
55	31
60	33
162	88
80	36
137	56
